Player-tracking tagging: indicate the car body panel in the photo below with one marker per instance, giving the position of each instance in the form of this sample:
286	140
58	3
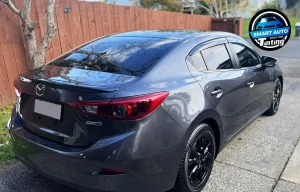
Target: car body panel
260	95
232	103
126	147
149	150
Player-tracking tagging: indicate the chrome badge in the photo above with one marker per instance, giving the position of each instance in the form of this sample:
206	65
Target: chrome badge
94	123
40	89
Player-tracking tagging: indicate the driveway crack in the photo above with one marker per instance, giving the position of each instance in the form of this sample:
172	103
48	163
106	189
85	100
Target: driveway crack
288	159
244	169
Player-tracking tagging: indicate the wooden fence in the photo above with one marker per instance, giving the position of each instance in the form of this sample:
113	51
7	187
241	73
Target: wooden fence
86	21
232	25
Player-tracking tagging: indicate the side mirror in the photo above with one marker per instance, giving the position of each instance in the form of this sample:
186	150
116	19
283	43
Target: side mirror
268	61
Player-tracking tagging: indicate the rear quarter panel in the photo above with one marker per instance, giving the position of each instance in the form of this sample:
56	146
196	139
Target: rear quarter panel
186	101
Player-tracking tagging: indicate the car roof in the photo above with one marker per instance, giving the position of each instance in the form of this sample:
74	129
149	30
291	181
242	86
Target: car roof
175	34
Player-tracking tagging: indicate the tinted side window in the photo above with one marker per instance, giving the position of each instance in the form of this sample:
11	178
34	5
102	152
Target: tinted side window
246	57
197	61
217	58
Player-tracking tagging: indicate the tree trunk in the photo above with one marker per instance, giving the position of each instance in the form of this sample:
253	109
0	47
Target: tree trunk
36	55
38	59
30	39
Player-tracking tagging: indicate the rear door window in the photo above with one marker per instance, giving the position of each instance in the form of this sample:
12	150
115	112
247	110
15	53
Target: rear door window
121	55
197	61
246	57
217	58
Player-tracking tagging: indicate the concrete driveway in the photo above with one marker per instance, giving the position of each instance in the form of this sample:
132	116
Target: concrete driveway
264	157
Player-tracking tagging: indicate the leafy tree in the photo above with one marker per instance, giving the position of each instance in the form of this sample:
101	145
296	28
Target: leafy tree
134	2
221	8
166	5
270	5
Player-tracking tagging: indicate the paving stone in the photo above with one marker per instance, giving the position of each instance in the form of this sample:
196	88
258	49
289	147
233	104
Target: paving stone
226	178
285	186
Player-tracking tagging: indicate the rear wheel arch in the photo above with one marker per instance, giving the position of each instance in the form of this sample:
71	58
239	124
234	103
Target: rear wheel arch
216	129
281	81
211	118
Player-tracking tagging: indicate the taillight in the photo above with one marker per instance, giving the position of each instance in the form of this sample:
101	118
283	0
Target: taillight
17	89
135	107
98	108
129	108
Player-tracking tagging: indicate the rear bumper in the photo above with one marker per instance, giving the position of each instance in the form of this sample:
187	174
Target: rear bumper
74	166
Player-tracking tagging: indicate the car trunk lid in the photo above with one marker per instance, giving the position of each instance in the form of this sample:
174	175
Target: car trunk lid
46	92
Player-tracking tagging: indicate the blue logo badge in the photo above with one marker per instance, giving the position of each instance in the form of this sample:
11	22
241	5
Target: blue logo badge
269	29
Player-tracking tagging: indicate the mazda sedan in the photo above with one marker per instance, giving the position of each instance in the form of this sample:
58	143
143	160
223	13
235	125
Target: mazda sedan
141	111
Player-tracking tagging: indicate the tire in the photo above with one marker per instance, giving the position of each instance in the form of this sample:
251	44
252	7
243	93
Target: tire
276	96
193	177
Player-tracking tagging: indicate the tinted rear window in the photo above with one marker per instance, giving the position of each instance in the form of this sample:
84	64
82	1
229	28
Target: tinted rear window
121	55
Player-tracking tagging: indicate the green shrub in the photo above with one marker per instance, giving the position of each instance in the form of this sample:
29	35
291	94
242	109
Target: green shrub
6	152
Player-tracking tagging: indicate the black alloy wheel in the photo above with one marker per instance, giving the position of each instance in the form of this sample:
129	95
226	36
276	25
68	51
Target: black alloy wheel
277	93
198	160
276	97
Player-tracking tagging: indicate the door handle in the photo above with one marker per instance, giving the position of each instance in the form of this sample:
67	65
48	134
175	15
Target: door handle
251	84
218	93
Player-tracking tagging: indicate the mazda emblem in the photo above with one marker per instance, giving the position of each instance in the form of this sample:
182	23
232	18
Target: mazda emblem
40	89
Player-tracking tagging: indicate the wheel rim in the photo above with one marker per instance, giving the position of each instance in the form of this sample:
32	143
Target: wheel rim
276	97
200	159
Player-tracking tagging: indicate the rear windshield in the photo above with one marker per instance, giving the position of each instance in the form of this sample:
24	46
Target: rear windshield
121	55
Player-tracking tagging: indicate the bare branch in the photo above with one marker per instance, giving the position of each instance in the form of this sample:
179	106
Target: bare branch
25	16
11	6
51	26
25	13
207	9
28	27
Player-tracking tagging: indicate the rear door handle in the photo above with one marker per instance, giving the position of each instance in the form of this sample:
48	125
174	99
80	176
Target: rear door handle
218	93
251	84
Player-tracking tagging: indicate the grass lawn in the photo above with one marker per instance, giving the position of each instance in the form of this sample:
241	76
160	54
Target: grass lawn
6	153
246	27
293	21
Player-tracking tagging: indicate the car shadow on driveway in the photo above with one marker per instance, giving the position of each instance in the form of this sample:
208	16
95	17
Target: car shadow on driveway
18	177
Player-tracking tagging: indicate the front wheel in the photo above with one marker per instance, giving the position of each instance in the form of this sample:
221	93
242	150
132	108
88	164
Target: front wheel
277	92
198	160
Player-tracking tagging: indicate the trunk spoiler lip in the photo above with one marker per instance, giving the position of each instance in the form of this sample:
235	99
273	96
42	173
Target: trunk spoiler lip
70	85
33	76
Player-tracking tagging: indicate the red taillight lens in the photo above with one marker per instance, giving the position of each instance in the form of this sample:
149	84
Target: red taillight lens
135	107
98	108
17	89
129	108
107	171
